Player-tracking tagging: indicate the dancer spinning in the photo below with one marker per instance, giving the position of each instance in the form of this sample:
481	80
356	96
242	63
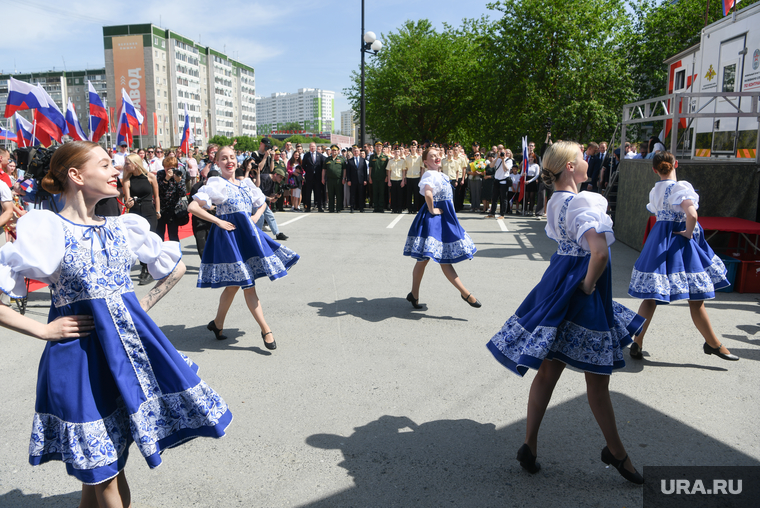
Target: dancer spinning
569	317
237	252
436	233
108	376
677	263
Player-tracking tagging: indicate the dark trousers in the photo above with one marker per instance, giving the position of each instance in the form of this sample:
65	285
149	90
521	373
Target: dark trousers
201	235
499	195
378	192
166	223
397	203
510	196
334	194
312	185
459	195
414	200
357	195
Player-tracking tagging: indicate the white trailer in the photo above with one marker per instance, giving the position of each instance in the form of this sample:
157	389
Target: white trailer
727	59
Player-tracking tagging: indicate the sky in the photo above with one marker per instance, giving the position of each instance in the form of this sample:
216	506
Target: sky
291	45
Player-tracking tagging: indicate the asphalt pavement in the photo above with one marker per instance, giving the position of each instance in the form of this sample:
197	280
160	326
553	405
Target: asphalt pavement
369	403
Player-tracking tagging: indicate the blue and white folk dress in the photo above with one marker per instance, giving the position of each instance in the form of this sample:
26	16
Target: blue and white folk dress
557	320
672	267
438	237
123	383
238	257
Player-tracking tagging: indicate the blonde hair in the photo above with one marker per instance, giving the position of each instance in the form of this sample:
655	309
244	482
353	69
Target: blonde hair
556	158
136	160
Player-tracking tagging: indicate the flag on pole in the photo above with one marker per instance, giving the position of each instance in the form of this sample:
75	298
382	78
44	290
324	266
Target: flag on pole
524	171
187	137
24	133
21	96
7	134
728	5
75	128
129	118
50	118
98	115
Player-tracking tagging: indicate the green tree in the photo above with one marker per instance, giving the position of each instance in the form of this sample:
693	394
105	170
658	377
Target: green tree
559	65
421	85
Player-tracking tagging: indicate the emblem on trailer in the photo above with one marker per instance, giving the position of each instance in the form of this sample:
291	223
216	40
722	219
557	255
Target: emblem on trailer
756	59
710	73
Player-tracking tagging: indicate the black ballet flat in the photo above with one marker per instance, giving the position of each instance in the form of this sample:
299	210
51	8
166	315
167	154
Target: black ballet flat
475	304
528	460
217	332
635	352
414	301
716	351
268	345
610	459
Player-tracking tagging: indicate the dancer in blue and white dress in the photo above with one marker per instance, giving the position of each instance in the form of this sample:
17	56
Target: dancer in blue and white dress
237	252
569	318
108	376
676	262
436	233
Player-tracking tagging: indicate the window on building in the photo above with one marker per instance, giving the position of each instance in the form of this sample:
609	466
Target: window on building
157	69
164	68
158	80
160	130
159	105
163	43
164	94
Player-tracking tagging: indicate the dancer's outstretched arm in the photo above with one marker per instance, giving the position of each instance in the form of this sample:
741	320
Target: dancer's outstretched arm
162	287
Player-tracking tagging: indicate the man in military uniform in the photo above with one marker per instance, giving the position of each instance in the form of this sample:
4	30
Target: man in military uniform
396	180
412	174
334	176
378	163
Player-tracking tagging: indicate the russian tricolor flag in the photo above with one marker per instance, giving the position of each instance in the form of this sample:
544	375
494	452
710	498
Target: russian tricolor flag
75	128
128	118
24	131
23	96
187	135
98	115
50	119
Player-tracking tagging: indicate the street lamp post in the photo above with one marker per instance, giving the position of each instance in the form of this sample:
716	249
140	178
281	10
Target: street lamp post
370	45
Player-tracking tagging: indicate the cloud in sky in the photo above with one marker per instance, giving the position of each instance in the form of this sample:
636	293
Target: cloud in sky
298	44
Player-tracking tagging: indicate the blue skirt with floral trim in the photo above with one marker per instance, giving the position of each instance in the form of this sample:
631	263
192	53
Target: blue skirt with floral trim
672	267
239	257
439	237
558	321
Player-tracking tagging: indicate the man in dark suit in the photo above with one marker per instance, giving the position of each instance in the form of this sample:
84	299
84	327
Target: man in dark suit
605	159
594	166
312	163
357	179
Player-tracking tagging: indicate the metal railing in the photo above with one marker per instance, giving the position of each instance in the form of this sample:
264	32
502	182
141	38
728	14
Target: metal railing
669	107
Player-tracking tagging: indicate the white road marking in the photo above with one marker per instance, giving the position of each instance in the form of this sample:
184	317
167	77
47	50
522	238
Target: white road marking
291	221
395	221
502	224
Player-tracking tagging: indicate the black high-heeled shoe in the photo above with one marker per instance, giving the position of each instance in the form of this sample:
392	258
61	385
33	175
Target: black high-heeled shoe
217	331
635	352
475	304
268	345
414	301
709	350
528	460
610	459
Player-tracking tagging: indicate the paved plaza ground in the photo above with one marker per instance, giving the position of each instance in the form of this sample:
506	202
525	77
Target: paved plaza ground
369	403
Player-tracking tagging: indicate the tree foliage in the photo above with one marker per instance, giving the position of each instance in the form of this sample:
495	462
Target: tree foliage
565	64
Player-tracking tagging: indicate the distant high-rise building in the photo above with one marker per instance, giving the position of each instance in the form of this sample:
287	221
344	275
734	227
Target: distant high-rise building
164	72
349	123
312	109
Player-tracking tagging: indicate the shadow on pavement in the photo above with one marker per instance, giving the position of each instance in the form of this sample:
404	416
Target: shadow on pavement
376	310
396	462
199	338
17	499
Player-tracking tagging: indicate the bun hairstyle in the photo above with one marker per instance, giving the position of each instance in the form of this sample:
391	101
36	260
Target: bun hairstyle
663	162
556	158
73	154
